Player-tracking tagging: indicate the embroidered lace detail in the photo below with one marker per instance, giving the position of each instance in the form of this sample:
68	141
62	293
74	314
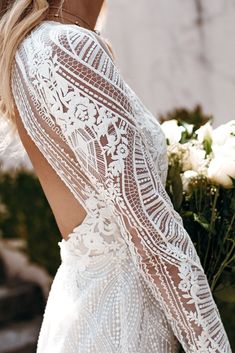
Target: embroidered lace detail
111	153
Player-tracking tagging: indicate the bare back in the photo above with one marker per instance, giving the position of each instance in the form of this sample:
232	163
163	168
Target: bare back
66	209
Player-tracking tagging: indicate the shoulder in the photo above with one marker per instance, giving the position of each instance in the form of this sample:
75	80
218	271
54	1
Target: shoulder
66	41
75	41
68	53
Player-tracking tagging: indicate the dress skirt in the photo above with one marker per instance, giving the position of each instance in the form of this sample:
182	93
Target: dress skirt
103	307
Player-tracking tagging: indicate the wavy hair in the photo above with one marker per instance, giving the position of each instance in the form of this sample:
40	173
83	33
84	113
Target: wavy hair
17	19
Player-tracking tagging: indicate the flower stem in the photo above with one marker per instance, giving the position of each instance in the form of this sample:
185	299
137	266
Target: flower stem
212	223
224	239
223	265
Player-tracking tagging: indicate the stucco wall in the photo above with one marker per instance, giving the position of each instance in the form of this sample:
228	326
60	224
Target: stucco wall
176	52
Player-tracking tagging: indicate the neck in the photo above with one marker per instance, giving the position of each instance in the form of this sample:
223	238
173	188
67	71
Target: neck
85	12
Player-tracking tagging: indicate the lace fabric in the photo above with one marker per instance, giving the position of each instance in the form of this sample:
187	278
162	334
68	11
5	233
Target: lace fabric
111	153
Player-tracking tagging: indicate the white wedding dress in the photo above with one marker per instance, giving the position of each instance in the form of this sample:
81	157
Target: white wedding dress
130	280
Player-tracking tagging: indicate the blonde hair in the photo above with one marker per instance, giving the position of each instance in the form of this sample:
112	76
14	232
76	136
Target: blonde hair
17	19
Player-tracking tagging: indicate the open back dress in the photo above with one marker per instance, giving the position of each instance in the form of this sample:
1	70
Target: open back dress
130	280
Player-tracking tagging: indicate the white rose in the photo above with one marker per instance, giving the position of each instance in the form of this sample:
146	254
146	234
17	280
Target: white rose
186	159
220	168
194	157
198	158
190	174
172	131
224	141
223	133
182	151
225	150
205	131
186	178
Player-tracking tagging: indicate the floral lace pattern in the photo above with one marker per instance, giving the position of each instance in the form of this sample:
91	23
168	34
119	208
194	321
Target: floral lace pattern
111	153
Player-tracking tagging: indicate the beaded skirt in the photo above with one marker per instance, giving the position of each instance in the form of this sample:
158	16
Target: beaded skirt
101	304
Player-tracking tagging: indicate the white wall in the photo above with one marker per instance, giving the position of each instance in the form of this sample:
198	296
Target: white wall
176	52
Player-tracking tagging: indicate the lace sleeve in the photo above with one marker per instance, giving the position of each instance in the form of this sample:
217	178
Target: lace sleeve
98	125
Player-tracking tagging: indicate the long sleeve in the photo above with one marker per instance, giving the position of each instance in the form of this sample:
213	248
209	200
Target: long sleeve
86	99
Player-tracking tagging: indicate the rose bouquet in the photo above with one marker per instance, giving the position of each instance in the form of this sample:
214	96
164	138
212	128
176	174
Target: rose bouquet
201	184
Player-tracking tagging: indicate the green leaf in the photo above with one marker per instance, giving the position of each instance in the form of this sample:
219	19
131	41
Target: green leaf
177	189
187	214
207	142
184	137
201	220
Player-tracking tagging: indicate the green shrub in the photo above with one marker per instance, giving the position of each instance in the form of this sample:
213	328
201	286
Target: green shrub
26	214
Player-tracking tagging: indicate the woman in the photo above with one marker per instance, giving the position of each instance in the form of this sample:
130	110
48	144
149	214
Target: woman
130	279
